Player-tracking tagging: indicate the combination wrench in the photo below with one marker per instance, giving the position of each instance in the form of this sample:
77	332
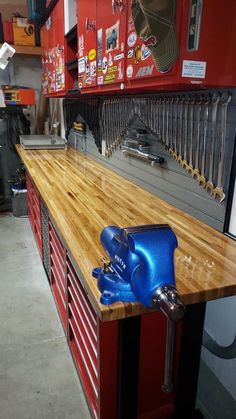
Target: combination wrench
184	162
218	191
202	177
196	171
214	101
191	120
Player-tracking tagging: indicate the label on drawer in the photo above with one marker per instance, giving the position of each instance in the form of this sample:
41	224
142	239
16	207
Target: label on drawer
196	69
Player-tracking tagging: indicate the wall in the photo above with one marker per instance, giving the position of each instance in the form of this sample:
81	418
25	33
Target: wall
7	8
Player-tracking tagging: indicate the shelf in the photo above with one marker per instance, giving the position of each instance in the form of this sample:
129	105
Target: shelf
27	50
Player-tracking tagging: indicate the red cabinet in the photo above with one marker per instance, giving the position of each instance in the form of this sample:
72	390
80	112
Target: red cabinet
111	37
87	43
34	213
101	44
53	59
205	57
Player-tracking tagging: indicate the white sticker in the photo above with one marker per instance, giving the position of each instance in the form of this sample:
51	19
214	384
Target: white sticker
81	65
196	69
104	65
100	80
129	71
132	38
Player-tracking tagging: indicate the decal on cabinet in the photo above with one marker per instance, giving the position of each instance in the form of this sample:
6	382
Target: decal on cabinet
112	37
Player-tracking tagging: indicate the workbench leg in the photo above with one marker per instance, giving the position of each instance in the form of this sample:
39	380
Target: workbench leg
190	354
129	344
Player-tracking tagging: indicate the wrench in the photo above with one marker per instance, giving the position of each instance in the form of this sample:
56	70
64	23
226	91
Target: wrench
184	162
167	142
180	135
171	147
175	130
196	172
214	100
202	177
163	136
218	191
191	108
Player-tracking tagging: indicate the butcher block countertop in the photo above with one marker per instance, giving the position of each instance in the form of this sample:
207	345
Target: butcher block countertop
83	197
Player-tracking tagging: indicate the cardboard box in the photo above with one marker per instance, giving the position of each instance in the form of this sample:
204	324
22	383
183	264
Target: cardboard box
24	32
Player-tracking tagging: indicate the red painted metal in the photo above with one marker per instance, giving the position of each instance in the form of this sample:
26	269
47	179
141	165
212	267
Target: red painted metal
215	49
53	59
34	213
152	401
58	274
94	346
87	43
111	30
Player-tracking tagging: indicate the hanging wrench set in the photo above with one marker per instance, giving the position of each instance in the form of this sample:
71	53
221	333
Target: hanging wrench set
186	125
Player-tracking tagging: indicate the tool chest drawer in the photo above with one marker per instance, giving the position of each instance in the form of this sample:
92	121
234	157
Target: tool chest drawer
58	273
83	339
34	213
93	345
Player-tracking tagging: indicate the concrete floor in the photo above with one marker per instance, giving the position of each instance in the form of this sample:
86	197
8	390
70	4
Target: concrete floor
37	375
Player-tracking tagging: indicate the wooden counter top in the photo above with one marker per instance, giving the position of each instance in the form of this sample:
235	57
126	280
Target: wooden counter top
83	197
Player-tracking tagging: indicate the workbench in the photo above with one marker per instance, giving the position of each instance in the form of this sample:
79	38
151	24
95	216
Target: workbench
81	197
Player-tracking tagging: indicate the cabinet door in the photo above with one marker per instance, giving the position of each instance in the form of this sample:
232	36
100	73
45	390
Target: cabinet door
87	43
140	63
58	52
111	40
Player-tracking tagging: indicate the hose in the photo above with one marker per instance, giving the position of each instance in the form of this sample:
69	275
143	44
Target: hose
225	352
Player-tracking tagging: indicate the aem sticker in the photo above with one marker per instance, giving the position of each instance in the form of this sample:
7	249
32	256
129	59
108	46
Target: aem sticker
145	71
92	54
129	71
132	38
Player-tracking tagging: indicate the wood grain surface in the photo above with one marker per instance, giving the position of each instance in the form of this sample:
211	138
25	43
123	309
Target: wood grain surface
83	197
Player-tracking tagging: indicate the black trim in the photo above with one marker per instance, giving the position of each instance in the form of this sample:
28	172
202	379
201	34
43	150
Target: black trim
129	344
71	36
230	194
187	382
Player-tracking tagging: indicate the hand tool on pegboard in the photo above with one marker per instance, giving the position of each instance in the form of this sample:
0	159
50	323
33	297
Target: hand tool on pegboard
214	105
198	107
184	162
202	177
218	191
171	115
191	127
163	133
167	143
180	130
175	128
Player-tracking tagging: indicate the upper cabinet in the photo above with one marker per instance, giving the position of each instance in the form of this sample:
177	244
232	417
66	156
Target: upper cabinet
134	45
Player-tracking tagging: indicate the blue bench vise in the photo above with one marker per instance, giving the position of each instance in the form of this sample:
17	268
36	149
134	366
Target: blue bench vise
140	267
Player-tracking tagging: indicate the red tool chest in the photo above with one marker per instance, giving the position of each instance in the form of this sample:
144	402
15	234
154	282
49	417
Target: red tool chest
58	274
94	348
34	213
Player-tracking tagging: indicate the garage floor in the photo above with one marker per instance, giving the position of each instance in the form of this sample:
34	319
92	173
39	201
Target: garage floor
37	375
